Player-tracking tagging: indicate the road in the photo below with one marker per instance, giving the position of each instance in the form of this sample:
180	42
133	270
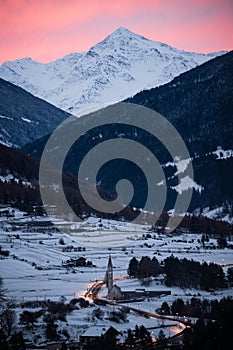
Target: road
93	291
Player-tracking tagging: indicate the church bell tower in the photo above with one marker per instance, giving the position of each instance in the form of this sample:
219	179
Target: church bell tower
109	275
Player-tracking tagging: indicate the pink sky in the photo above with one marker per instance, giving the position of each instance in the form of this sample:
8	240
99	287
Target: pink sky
48	29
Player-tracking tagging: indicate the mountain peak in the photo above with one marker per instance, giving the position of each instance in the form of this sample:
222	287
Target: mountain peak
123	32
119	66
122	39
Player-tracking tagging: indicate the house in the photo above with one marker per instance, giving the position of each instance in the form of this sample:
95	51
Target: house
117	293
75	262
93	334
81	261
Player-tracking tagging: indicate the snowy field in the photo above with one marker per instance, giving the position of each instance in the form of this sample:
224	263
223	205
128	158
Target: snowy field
35	269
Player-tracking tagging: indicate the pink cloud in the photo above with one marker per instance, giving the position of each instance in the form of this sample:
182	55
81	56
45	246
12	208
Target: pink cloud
48	29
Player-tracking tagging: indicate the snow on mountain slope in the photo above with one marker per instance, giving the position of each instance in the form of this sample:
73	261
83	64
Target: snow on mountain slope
112	70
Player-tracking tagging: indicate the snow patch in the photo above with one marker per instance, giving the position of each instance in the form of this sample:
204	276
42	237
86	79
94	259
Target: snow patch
5	142
4	117
26	120
180	164
10	177
218	213
187	183
223	154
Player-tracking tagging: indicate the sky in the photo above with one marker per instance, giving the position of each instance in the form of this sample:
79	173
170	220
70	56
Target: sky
48	29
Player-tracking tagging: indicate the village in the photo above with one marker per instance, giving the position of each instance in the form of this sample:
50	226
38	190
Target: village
44	271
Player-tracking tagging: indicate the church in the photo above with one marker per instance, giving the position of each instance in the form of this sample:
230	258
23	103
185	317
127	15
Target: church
115	292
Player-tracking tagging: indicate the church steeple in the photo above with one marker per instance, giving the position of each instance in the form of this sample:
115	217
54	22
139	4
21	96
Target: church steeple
110	261
109	274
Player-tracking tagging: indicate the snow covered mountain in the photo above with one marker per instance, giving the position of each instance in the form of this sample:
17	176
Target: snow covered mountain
199	104
121	65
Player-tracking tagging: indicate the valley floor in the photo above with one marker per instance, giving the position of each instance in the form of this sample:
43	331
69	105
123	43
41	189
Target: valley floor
36	270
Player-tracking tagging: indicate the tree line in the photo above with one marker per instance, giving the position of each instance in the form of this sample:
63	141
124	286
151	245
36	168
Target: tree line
200	308
182	273
213	329
192	223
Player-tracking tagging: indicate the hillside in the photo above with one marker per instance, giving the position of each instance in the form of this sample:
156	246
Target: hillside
24	117
19	186
199	104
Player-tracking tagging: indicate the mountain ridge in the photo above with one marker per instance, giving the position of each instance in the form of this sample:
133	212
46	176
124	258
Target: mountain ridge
117	67
199	104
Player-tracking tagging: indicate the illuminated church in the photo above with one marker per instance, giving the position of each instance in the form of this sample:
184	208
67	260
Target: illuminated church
115	292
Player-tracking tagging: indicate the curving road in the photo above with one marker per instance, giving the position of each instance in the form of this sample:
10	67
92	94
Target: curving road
93	291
